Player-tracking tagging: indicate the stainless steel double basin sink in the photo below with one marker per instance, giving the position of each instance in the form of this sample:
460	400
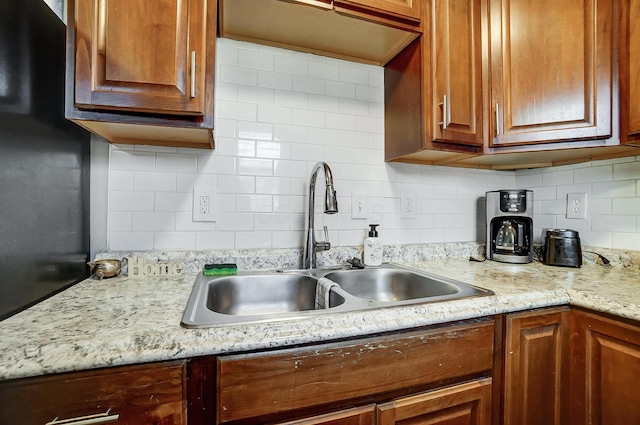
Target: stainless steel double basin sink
251	297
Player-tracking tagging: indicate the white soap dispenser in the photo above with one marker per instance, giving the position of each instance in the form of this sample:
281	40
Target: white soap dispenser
372	248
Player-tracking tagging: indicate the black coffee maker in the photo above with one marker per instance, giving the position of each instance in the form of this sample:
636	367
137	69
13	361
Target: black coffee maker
510	226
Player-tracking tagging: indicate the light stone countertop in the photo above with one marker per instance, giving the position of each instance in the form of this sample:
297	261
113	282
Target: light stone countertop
125	321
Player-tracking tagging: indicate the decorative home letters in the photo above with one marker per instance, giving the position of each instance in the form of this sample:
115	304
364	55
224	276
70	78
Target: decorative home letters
138	267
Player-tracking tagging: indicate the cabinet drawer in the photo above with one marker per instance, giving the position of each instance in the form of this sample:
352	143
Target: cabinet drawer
312	376
135	395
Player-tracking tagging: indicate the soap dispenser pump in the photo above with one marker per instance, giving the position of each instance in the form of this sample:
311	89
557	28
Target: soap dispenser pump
372	248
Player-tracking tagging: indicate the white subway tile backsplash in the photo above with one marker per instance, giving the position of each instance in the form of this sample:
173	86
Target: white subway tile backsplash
275	114
593	174
119	221
257	95
214	240
292	65
237	75
259	60
121	160
328	103
340	89
246	240
153	221
133	241
174	240
121	180
275	80
273	150
255	166
173	201
254	203
278	112
236	184
131	201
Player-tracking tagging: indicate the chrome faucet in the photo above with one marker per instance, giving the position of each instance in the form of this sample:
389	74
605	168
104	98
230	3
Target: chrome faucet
330	207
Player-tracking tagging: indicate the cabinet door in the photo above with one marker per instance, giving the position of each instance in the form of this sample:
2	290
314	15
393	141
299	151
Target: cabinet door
356	416
536	368
464	404
141	55
551	70
409	9
630	71
149	394
605	371
457	71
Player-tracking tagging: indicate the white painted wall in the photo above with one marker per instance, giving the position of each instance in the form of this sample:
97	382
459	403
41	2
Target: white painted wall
277	113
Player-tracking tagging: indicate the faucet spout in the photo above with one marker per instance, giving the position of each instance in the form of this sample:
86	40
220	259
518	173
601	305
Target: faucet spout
330	207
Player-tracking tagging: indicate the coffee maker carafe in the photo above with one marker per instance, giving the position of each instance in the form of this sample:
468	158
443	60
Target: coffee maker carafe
510	226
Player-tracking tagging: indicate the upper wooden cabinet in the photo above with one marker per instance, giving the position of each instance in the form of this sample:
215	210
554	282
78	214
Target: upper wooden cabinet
551	70
405	9
138	67
630	71
364	31
434	88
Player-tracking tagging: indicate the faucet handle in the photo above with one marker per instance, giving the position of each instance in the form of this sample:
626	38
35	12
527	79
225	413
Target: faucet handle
325	245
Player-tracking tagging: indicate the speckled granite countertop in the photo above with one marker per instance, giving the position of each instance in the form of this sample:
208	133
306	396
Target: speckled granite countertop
125	321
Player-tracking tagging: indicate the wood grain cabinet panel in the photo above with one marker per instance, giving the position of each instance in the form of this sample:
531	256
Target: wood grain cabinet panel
605	370
456	74
286	382
149	394
408	9
141	55
551	70
364	415
630	71
463	404
434	88
142	71
536	367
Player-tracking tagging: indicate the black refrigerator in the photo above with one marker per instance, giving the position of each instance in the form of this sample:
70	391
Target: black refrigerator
44	162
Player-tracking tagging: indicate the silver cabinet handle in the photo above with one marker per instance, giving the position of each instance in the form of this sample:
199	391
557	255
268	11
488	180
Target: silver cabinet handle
497	119
193	73
445	112
100	418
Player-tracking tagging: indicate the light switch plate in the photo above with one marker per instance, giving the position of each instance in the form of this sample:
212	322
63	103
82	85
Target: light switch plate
577	205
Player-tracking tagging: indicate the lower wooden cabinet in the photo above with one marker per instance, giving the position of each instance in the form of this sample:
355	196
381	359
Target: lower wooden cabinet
146	394
536	368
605	370
268	387
468	403
364	415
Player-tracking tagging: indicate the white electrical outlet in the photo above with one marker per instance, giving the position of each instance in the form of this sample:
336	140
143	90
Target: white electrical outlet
408	205
203	204
577	205
359	205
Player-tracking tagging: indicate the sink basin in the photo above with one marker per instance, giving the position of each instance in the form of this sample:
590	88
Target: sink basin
251	297
389	285
257	295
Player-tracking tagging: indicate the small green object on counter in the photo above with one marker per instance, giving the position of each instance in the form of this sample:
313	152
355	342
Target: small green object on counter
220	269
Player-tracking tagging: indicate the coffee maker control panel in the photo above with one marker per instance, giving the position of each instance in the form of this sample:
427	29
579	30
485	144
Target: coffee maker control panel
513	201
